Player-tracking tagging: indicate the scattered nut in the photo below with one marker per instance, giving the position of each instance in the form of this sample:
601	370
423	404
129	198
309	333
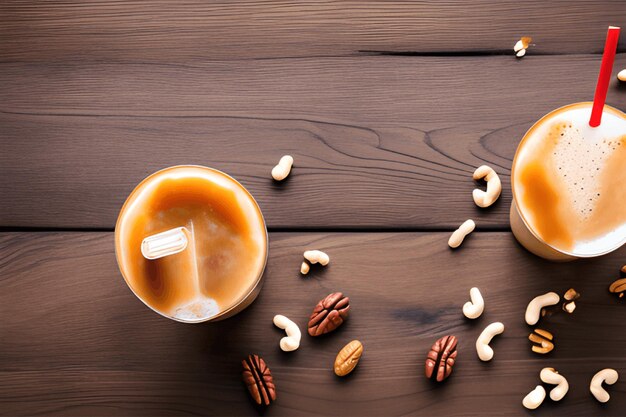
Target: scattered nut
623	270
534	398
474	308
258	379
618	287
329	314
571	295
317	256
608	376
282	170
494	186
523	43
314	257
569	307
622	75
485	352
521	46
543	339
533	311
552	376
292	340
459	234
440	358
348	358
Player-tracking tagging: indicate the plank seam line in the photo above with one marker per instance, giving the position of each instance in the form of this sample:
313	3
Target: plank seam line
460	53
357	54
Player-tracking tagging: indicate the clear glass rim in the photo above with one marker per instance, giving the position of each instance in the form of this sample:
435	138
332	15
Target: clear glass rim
253	286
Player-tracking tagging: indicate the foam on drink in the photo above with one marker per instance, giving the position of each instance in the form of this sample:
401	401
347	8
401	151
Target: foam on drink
227	246
570	180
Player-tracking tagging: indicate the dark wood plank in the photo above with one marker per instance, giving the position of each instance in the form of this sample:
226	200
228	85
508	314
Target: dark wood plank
378	141
75	341
200	30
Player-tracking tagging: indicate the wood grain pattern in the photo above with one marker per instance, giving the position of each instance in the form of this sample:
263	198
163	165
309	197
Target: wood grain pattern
200	30
75	341
386	142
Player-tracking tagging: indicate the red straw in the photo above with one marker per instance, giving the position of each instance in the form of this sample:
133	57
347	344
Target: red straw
610	47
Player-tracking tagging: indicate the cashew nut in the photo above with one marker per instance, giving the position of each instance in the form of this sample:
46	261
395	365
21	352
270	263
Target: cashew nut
534	398
485	352
459	234
622	75
494	186
552	376
313	256
292	340
282	170
533	311
317	256
608	376
474	308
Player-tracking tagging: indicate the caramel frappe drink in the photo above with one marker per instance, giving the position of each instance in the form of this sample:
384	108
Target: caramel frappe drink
569	184
217	270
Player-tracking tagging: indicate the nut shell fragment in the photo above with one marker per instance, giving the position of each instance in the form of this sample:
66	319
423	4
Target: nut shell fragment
348	358
619	286
569	307
543	340
571	295
521	46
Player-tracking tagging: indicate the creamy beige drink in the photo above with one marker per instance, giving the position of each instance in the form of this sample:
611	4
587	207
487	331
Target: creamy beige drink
219	271
569	184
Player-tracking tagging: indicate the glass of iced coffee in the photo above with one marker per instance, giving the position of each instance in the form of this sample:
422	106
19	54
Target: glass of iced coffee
569	184
569	176
191	243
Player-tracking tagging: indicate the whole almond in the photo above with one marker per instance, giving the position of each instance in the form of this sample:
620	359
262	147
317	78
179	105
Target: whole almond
348	358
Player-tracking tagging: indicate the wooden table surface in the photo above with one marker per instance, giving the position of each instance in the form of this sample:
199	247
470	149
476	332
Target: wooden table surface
387	108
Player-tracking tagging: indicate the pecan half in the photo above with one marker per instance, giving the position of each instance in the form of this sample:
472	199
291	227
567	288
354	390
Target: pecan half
543	340
618	287
348	358
329	314
258	378
441	358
